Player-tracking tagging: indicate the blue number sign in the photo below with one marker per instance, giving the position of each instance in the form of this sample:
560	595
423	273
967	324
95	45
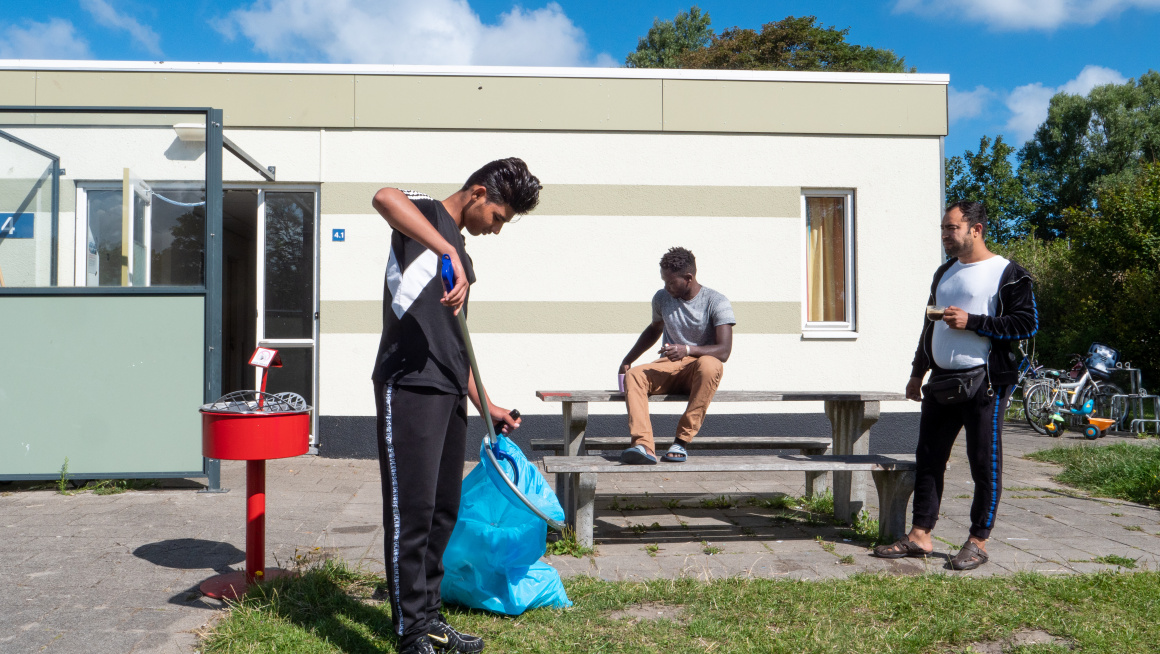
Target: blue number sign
16	225
338	234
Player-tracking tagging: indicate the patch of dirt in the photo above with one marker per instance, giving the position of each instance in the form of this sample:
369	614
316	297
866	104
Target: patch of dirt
1020	638
649	611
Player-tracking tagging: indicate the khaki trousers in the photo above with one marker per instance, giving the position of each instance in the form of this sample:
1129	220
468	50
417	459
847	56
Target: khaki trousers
696	376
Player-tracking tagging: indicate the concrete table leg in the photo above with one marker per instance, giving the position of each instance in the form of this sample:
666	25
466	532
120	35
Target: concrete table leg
816	480
894	490
575	424
585	489
851	422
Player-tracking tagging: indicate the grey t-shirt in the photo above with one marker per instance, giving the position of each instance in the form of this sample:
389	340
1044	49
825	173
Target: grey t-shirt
692	322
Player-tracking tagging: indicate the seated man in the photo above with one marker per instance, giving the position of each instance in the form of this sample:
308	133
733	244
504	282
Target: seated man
697	324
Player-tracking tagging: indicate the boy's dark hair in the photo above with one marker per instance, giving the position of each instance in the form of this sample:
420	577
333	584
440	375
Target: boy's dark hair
680	261
508	181
974	213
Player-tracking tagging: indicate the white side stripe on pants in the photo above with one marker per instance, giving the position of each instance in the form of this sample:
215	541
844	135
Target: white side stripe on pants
389	436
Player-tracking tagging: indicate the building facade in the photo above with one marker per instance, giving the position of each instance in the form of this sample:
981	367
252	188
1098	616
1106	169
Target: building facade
811	200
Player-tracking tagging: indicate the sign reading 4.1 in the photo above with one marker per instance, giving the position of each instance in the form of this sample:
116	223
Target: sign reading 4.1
16	225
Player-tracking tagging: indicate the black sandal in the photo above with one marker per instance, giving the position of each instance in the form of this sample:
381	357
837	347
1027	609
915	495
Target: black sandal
968	558
900	549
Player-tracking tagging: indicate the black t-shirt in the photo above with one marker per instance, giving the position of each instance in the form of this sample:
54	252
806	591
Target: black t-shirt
422	344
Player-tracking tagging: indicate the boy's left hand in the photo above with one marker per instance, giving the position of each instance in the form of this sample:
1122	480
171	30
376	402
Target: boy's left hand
502	415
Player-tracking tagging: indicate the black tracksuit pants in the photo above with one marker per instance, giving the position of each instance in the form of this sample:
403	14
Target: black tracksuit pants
422	437
982	416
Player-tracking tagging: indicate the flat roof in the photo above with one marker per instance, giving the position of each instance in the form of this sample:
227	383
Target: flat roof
473	71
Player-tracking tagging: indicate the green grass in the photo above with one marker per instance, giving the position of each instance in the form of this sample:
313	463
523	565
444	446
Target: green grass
779	502
327	610
1112	559
823	503
62	483
1125	471
721	502
566	545
628	505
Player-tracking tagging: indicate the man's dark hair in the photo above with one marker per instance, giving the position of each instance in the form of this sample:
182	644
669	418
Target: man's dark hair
680	261
974	213
508	181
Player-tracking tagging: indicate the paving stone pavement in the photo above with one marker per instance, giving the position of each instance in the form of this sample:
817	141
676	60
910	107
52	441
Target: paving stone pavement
119	573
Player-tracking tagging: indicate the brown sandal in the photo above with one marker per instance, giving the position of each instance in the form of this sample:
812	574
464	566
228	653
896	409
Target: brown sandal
901	548
968	558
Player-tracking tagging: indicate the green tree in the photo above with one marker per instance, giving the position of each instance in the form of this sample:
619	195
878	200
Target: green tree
668	40
1119	241
987	176
1100	285
1087	142
792	44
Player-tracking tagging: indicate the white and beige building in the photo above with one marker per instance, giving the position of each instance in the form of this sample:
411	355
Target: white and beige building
811	200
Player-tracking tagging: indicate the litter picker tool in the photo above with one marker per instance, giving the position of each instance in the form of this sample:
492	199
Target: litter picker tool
491	440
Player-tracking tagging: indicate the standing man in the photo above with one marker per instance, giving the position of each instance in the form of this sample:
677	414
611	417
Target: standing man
421	381
697	325
989	303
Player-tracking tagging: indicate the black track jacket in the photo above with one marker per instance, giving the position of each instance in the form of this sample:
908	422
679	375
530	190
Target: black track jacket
1016	318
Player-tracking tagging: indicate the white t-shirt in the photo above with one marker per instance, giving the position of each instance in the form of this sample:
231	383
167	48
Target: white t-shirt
973	287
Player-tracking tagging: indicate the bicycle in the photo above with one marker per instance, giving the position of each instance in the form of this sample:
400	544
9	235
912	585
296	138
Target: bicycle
1029	372
1041	398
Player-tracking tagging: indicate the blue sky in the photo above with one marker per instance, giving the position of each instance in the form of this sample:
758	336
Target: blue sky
1005	57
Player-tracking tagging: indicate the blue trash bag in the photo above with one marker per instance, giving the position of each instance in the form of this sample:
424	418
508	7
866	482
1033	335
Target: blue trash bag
493	559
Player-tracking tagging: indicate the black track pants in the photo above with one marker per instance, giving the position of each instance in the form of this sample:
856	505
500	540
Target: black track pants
422	437
982	416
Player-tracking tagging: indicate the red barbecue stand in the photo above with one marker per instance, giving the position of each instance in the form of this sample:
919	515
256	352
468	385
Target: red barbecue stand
240	431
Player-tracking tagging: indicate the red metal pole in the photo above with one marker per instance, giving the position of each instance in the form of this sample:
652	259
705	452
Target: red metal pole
255	520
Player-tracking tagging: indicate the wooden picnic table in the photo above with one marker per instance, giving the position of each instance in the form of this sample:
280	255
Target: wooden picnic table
851	415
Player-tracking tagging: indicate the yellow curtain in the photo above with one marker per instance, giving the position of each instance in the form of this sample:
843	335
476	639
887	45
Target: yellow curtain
826	259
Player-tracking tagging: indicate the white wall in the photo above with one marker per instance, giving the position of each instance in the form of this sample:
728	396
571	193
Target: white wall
602	258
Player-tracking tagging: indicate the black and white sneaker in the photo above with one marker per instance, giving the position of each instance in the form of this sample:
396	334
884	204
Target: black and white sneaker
444	638
420	646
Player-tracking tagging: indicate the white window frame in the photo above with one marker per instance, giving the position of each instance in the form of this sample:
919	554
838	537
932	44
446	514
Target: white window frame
847	329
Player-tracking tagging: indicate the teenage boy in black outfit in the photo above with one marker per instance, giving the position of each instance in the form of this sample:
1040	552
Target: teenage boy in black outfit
989	303
421	380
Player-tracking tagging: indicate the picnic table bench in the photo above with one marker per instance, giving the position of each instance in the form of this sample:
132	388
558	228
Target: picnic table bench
851	414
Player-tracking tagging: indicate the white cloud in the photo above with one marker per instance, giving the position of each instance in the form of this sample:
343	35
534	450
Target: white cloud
106	15
967	104
1026	14
1029	103
55	39
409	32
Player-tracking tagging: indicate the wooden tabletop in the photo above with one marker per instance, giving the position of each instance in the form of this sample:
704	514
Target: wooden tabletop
785	463
730	396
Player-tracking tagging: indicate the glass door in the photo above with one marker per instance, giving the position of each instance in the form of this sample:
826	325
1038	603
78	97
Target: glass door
287	279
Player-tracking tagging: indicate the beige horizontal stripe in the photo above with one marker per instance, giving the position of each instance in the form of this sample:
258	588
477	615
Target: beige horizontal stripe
247	100
602	199
17	88
13	192
365	317
394	101
805	108
503	103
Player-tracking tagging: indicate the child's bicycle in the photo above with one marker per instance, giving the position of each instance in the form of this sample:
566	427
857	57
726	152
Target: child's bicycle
1094	427
1084	401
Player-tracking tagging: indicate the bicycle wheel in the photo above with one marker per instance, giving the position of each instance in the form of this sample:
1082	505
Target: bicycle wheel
1101	394
1037	405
